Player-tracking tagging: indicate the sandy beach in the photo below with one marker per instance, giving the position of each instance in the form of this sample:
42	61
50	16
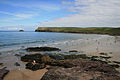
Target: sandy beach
92	47
25	74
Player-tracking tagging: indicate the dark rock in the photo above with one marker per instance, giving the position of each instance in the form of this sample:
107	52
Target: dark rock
73	51
17	64
42	49
114	65
21	30
17	55
36	61
73	56
1	63
38	58
30	58
103	54
116	62
35	67
21	53
81	69
3	72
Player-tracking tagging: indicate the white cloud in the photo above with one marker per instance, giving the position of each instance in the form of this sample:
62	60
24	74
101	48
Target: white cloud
22	16
10	28
90	13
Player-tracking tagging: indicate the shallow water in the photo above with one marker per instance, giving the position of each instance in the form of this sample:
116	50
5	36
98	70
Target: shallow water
14	41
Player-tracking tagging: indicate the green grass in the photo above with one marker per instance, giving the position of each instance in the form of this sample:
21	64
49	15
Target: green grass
89	30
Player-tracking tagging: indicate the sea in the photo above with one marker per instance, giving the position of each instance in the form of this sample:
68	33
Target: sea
14	41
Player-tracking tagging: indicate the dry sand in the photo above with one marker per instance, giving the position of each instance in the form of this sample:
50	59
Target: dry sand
25	74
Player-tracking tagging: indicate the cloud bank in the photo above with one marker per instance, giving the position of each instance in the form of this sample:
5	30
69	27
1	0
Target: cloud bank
89	13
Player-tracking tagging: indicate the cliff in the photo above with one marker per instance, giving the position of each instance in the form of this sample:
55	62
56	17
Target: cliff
89	30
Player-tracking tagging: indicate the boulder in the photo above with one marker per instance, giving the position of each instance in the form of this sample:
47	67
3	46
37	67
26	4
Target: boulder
73	51
42	49
32	57
17	64
35	67
3	72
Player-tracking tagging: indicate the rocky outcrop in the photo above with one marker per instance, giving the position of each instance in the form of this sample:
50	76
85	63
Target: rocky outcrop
42	49
21	30
35	67
3	72
36	61
73	51
82	69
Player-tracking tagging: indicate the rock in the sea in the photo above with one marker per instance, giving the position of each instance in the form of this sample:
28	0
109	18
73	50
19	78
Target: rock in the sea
82	70
21	30
43	49
17	55
17	64
73	51
3	72
1	63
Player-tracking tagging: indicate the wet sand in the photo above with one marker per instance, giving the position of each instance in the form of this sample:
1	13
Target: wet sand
92	47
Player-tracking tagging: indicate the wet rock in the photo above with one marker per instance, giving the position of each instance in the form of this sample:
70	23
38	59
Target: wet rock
117	62
32	57
36	61
74	56
17	64
42	49
45	59
1	64
3	72
103	54
22	53
17	55
81	69
73	51
35	67
115	65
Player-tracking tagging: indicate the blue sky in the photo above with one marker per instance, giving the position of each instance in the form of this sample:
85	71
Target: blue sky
29	14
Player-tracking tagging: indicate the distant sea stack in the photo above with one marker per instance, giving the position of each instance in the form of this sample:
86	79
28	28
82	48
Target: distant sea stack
21	30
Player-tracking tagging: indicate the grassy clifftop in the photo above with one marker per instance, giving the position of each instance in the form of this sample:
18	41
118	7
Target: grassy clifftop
90	30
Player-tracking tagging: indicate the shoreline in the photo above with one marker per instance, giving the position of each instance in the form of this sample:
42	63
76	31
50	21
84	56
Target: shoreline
89	46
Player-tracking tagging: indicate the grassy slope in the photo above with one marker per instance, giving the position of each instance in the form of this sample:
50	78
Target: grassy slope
90	30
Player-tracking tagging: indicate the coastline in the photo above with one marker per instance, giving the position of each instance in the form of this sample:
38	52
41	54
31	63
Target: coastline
91	47
89	30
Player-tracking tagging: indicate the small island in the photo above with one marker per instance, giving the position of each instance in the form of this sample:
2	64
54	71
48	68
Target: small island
21	30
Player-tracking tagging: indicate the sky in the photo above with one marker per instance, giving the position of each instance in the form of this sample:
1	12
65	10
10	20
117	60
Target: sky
30	14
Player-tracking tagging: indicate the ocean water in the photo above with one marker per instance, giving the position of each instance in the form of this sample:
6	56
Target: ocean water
14	41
